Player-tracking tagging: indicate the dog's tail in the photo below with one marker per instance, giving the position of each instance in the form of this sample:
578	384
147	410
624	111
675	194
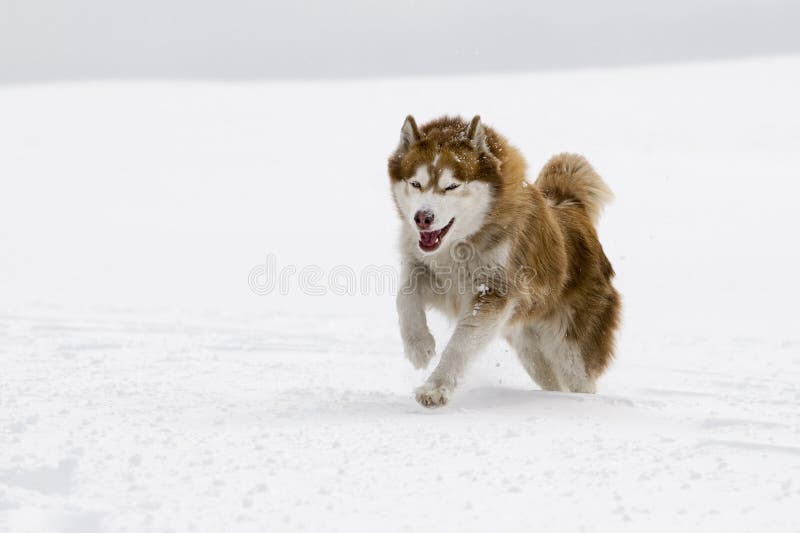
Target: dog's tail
569	177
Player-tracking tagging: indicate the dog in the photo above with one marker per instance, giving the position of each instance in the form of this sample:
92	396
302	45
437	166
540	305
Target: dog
501	256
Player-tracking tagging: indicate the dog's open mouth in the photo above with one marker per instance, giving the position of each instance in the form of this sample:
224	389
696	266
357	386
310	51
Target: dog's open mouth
430	240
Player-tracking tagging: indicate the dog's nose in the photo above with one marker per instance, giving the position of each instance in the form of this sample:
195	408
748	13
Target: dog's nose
424	218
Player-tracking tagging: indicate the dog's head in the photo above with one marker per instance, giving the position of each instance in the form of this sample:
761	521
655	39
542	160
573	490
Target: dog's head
443	178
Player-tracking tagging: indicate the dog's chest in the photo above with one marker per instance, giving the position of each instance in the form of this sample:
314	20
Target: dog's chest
457	279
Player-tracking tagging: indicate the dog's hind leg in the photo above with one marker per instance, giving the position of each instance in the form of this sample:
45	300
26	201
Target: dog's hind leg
566	360
560	349
572	370
526	343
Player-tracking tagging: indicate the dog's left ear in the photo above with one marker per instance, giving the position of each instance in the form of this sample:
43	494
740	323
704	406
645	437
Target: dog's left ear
409	134
477	135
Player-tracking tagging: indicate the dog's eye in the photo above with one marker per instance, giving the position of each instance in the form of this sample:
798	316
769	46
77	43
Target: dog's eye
452	186
416	184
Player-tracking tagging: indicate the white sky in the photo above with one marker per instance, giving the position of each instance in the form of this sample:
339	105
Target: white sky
80	39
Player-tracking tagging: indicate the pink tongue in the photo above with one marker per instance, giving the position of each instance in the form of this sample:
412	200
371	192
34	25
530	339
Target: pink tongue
428	238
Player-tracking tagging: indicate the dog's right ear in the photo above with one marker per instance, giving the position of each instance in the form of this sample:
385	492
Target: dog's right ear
409	134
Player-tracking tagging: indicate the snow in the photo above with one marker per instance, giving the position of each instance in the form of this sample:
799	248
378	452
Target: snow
146	387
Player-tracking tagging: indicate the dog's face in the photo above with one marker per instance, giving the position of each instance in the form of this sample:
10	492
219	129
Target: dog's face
437	182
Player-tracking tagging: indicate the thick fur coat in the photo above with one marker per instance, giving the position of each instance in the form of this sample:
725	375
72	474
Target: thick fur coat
501	256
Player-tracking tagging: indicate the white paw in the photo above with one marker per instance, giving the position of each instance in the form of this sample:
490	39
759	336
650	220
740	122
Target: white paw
420	349
430	395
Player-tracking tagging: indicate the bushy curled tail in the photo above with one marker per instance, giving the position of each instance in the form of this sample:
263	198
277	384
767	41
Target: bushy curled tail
569	177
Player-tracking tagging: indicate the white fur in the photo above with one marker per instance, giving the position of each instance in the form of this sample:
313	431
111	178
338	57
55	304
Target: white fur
545	343
422	176
525	342
447	178
418	342
468	204
552	359
471	335
563	353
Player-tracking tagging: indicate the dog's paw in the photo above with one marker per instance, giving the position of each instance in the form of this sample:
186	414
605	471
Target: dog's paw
431	395
420	349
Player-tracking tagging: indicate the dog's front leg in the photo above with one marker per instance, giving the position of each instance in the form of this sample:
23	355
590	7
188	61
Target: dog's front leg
472	334
419	344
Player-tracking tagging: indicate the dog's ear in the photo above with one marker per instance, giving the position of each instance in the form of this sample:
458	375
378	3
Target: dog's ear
409	134
477	135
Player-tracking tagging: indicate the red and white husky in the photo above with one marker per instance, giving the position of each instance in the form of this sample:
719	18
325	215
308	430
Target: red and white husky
501	256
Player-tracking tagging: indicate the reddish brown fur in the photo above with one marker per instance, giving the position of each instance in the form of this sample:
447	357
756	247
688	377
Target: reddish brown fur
557	266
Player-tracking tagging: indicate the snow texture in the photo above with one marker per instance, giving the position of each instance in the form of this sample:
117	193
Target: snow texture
145	387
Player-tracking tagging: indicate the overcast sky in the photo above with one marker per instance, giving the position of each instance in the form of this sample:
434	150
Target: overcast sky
250	39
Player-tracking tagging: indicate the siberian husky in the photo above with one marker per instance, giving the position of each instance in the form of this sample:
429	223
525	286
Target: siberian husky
501	256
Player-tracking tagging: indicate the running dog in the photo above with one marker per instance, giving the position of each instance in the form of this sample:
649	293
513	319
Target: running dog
501	256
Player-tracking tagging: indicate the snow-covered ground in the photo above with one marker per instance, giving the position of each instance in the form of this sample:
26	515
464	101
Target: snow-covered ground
145	387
